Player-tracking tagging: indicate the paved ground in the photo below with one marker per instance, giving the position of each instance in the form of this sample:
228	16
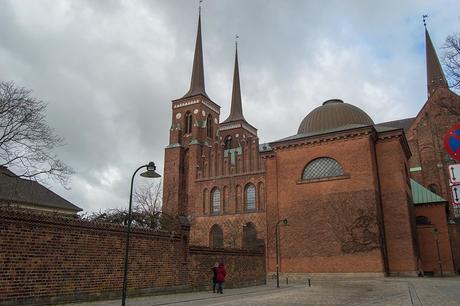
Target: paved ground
381	291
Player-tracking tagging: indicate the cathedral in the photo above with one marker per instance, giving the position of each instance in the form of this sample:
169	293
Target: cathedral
343	196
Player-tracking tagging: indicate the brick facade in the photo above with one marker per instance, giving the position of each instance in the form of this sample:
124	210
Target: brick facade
357	223
428	234
430	160
360	221
46	260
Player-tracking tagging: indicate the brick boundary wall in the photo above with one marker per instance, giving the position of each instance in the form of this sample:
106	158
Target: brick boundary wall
48	259
51	259
244	267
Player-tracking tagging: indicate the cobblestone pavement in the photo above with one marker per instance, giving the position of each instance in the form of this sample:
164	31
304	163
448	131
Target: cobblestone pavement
376	291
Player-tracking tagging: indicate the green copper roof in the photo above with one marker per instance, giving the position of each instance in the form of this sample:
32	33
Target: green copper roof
421	195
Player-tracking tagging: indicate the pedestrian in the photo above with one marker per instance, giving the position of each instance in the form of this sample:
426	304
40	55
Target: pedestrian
214	277
220	278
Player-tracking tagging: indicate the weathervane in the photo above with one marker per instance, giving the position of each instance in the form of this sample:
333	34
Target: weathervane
424	17
199	6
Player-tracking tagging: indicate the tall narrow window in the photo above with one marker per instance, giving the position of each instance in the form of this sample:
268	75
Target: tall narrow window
216	237
228	142
188	122
215	201
209	126
249	236
250	197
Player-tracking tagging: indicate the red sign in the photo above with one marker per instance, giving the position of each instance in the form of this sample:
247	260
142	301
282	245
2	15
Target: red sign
452	141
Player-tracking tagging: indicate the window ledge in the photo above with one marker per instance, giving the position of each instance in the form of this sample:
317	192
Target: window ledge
324	179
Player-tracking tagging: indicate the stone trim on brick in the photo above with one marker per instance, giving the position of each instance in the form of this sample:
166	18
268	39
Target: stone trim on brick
325	179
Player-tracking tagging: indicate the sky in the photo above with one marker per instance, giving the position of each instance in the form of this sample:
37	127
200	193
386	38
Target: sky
108	70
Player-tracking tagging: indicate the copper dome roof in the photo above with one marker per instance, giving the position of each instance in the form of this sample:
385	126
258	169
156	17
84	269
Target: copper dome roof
333	114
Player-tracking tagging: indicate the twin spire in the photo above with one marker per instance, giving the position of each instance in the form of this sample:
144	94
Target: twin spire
435	75
197	85
197	82
236	110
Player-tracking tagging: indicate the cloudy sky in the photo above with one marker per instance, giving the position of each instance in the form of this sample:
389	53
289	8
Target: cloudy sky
109	69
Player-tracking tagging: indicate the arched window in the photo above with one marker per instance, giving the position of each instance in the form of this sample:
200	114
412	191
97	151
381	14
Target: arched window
216	237
433	188
422	220
250	197
215	201
321	168
249	236
188	122
209	126
228	142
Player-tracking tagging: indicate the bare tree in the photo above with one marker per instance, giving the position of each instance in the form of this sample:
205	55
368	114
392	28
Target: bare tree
26	140
146	211
451	59
148	197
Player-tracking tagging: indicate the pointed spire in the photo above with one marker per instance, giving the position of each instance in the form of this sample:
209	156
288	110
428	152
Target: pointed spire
435	75
236	110
197	82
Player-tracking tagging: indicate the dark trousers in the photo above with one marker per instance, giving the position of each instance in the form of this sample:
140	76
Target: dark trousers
220	287
214	285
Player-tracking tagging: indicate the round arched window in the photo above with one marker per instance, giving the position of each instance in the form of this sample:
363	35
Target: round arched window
321	168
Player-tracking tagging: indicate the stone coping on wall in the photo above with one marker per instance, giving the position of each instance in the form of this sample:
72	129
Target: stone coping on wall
56	219
195	249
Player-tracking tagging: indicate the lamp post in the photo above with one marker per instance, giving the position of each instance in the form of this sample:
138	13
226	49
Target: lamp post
285	222
150	173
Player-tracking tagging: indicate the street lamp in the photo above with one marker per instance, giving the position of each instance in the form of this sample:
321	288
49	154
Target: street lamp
150	173
277	238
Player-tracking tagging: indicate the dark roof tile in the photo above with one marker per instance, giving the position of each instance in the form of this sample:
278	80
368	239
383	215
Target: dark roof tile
16	189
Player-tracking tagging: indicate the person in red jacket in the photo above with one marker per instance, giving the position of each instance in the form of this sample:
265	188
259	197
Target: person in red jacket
220	278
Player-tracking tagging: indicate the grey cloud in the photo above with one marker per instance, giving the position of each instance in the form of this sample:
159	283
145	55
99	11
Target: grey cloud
109	69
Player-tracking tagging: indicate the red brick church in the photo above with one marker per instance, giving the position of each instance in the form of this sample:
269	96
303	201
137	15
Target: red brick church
360	198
